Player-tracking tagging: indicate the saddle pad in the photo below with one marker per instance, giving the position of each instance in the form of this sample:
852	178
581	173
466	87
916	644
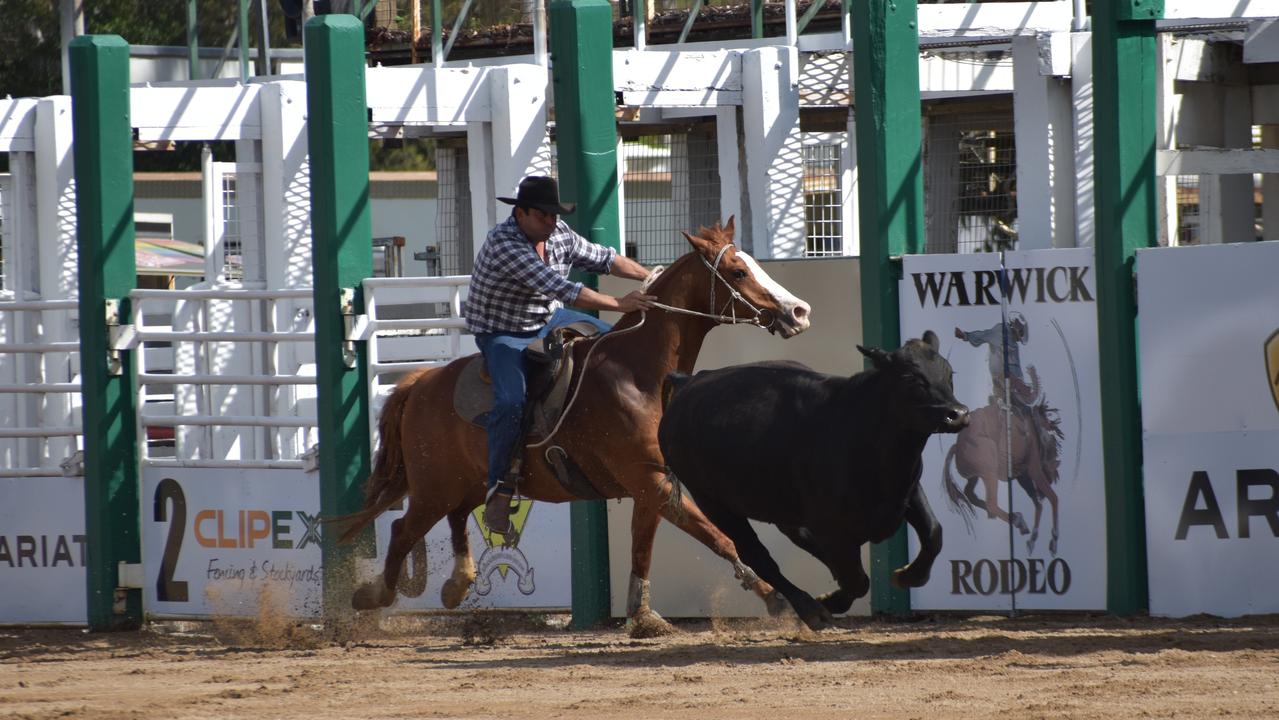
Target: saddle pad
472	396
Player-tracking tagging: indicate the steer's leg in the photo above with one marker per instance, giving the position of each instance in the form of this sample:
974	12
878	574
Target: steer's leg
848	572
920	516
757	557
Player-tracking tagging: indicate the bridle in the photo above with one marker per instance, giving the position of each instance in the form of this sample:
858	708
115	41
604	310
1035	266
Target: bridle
721	316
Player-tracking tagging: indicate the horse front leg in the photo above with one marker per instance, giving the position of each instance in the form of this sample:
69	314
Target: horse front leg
681	512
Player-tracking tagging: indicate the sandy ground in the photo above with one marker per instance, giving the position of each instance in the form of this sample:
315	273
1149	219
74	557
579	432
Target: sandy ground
506	666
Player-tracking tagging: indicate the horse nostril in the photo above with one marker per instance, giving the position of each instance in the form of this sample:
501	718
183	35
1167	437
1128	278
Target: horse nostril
800	313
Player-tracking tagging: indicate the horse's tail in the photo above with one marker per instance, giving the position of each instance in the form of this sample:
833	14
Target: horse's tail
954	496
672	385
388	483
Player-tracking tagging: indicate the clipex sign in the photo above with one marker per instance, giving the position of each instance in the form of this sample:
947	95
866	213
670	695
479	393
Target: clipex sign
1210	416
222	543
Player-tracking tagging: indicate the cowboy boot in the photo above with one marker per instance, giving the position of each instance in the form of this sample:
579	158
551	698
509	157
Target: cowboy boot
497	508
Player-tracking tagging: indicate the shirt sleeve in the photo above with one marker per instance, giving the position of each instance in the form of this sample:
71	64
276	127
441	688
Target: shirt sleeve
590	256
520	262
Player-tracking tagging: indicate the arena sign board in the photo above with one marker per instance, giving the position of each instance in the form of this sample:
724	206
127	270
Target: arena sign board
999	550
533	573
42	551
224	542
1209	341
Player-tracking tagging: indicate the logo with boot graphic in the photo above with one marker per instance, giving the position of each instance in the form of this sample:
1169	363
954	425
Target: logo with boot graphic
500	557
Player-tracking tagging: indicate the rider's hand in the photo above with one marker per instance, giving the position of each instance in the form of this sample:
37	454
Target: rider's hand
959	333
635	300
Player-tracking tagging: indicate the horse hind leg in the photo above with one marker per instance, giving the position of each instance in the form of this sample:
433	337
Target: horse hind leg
405	532
459	583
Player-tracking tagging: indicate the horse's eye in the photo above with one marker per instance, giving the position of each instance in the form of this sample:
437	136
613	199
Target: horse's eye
739	274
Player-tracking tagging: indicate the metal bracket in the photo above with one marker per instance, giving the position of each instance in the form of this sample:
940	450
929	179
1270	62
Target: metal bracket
346	299
120	337
130	575
73	466
311	459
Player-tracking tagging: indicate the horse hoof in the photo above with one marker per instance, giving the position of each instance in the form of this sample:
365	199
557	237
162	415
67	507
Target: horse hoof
776	603
648	624
1052	546
1019	523
371	596
453	593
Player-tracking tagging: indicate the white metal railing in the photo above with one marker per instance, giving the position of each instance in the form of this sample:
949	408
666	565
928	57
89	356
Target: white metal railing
207	388
41	429
434	336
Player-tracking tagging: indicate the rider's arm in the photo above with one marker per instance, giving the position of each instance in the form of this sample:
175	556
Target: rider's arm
625	267
589	299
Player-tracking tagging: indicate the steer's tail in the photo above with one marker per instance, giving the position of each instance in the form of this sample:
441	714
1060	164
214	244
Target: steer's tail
388	482
673	383
954	496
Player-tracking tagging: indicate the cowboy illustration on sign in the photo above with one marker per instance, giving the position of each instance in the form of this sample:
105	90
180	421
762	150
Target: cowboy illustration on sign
1016	414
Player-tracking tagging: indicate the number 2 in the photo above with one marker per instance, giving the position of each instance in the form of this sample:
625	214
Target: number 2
166	588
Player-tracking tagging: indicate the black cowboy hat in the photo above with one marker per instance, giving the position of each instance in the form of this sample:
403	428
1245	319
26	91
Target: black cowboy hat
541	192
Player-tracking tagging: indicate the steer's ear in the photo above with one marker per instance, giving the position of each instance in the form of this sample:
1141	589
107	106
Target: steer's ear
878	357
930	338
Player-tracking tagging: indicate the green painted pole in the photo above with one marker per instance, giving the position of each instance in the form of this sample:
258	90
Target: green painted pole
193	40
586	141
242	23
342	257
107	273
1126	77
891	194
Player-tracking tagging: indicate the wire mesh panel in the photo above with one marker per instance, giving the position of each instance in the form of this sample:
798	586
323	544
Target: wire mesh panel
5	229
1187	232
970	176
670	185
453	229
232	243
823	195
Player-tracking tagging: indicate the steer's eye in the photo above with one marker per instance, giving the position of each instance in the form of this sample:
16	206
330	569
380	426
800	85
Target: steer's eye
739	274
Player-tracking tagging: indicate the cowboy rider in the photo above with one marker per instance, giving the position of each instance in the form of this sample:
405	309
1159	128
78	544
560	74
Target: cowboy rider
518	289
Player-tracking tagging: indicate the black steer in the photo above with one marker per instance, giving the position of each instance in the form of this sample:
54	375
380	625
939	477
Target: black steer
832	461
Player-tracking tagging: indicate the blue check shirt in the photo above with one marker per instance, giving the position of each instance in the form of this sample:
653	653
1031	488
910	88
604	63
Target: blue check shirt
513	290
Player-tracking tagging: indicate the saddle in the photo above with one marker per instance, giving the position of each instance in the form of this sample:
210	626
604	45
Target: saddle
550	379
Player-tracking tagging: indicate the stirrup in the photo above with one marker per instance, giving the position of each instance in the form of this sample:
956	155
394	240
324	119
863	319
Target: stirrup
498	505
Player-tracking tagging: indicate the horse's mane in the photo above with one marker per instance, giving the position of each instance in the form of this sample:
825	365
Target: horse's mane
658	284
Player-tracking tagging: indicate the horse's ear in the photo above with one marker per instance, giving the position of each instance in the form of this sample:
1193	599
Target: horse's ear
878	357
729	228
698	242
930	338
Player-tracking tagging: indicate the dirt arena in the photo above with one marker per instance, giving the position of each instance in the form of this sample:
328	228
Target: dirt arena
480	666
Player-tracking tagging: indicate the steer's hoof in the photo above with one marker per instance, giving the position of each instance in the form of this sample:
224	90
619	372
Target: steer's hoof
648	624
908	577
814	615
836	602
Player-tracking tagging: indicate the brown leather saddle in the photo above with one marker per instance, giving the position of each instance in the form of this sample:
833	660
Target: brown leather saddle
550	383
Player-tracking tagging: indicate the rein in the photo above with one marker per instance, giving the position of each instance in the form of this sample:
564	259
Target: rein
719	318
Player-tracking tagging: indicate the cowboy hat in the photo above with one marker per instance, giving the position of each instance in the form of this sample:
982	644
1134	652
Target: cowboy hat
541	192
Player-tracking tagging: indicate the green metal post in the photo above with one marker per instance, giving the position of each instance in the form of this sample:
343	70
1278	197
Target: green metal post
342	257
193	40
242	23
891	193
1126	72
107	273
757	18
586	138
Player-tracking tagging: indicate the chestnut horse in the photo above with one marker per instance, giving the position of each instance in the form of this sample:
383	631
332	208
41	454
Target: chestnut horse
438	459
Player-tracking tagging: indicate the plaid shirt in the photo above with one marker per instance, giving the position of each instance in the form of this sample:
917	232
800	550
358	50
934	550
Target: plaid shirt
513	290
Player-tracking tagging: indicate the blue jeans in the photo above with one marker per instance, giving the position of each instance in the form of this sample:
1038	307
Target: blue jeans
504	358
